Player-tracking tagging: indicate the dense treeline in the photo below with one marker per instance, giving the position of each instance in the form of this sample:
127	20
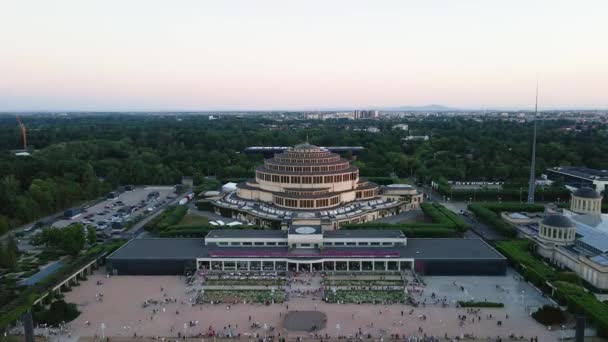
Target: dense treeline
81	157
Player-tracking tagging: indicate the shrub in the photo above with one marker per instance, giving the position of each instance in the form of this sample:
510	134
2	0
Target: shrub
472	304
59	311
549	315
167	218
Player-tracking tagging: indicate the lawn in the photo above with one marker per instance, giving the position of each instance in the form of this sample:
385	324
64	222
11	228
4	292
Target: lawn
193	220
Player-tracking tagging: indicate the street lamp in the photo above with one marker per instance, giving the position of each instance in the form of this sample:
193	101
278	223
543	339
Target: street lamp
520	194
103	329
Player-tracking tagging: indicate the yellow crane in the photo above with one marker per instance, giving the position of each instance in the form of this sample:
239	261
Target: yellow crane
23	133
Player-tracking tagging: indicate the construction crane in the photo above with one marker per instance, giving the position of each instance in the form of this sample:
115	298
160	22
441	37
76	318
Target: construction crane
23	133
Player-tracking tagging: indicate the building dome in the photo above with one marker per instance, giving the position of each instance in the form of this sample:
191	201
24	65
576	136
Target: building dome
557	221
586	193
306	146
557	230
586	201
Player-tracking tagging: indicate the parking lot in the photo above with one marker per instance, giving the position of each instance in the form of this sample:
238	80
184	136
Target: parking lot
112	214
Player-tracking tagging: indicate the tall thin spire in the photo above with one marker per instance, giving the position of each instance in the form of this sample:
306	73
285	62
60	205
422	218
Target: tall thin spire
532	181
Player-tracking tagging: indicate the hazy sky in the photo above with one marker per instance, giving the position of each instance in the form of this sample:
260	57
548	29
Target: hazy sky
288	54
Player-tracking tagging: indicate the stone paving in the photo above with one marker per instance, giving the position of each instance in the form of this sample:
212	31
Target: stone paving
123	314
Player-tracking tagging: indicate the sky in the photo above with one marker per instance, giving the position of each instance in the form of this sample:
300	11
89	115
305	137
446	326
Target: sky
147	55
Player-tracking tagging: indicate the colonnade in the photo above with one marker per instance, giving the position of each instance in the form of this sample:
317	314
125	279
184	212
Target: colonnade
337	265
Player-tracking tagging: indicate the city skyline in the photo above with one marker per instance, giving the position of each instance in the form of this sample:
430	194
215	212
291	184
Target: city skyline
272	55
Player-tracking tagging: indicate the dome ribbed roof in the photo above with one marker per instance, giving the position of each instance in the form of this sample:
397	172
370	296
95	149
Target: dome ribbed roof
557	221
586	193
305	146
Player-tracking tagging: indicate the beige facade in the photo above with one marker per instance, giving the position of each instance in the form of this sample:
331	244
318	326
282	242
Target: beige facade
557	240
313	186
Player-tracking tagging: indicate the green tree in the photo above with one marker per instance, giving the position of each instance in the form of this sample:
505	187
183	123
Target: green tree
4	224
12	244
91	235
73	239
8	259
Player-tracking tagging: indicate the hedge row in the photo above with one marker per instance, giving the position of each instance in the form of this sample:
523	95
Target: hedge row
514	207
542	193
535	271
580	301
472	304
459	223
437	216
167	218
566	284
492	219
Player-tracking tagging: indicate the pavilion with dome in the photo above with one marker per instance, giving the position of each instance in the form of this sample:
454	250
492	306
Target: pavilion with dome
309	185
577	238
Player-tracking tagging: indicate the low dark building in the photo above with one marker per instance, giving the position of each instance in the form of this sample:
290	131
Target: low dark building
308	249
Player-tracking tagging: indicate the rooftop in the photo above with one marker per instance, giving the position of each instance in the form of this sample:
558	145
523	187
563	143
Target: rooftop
423	249
363	233
586	193
247	233
582	172
160	248
557	221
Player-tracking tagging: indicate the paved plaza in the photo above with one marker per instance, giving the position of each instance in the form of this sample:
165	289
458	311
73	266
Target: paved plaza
123	313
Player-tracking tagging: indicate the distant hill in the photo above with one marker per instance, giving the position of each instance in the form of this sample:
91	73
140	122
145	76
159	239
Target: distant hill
427	108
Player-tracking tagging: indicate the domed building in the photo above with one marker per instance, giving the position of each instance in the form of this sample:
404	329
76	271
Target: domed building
309	185
577	239
586	201
557	229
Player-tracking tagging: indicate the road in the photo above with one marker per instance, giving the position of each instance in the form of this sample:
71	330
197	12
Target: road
478	229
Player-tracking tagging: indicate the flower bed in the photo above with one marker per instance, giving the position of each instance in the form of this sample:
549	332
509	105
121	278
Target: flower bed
251	296
364	282
258	282
365	297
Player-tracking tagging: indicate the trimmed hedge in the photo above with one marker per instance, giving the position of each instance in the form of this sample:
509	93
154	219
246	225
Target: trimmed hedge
514	207
546	193
167	218
471	304
458	222
580	301
437	216
535	271
493	220
567	290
